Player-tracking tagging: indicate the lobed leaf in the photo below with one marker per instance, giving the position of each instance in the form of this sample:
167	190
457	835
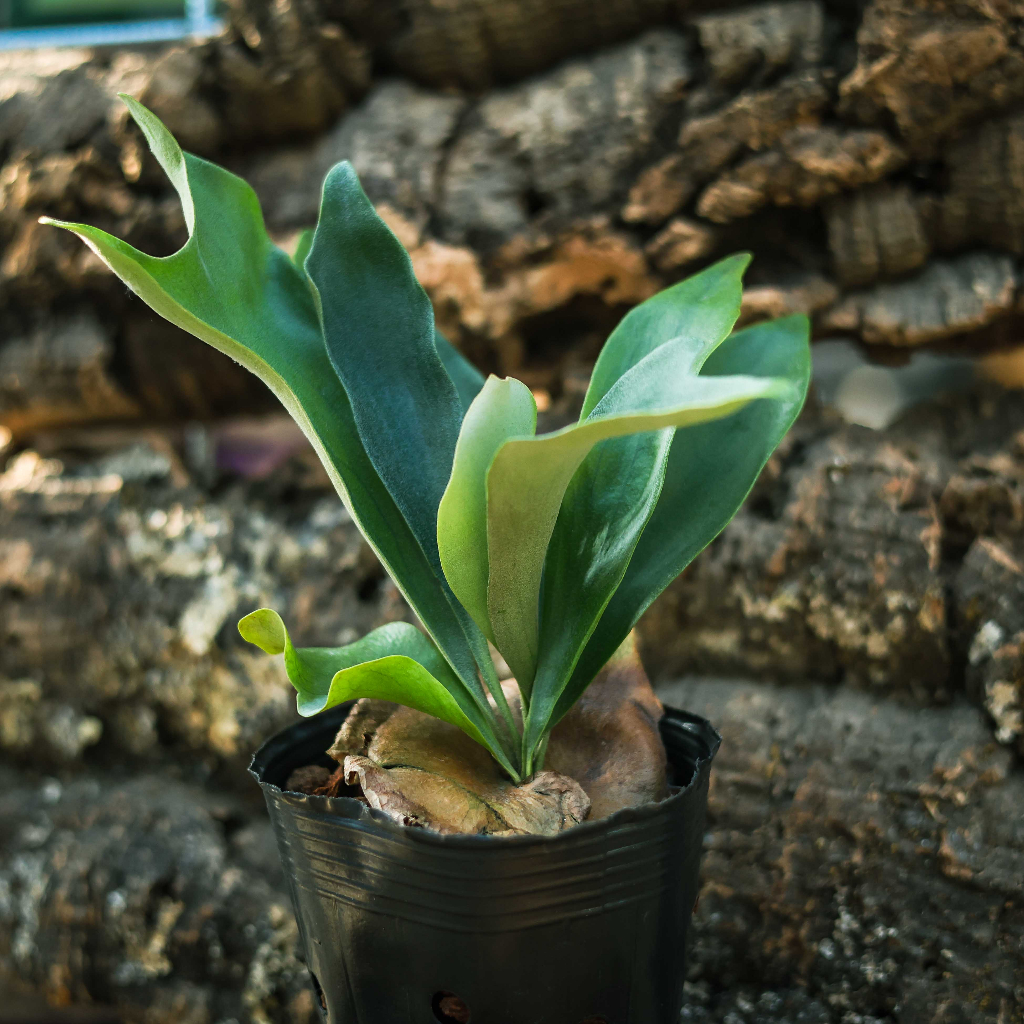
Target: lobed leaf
231	287
395	662
614	491
701	310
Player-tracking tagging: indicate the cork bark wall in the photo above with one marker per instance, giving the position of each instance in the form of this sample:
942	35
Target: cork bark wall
865	856
548	167
850	876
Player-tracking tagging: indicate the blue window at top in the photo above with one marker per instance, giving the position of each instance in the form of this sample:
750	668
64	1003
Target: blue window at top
29	23
40	13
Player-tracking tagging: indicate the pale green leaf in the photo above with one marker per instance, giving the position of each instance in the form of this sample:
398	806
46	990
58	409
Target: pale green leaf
528	479
504	408
395	662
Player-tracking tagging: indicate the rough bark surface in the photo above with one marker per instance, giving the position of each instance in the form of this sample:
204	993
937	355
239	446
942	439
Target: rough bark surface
865	856
883	559
148	895
119	593
863	863
549	168
880	558
474	44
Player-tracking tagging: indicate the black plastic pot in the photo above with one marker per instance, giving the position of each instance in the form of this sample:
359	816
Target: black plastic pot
405	926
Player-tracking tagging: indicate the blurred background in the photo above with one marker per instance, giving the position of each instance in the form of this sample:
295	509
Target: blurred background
857	633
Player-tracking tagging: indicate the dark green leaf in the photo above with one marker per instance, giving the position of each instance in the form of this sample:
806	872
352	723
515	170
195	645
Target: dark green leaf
379	329
711	469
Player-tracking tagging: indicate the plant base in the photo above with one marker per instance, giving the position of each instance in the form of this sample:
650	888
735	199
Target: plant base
403	926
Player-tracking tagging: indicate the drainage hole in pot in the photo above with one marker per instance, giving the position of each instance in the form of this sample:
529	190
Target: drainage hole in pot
319	995
449	1008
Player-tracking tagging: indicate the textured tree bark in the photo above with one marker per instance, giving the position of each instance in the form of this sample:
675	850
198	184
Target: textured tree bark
865	857
861	834
864	861
474	44
868	159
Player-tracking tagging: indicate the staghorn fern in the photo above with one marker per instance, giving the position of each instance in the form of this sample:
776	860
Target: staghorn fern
549	546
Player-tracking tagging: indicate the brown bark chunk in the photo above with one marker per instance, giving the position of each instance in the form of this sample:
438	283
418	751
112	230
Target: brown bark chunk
762	40
426	773
360	726
609	741
809	165
955	296
753	121
876	232
606	754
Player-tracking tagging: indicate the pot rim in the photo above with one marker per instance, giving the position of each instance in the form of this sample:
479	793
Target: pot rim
698	731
